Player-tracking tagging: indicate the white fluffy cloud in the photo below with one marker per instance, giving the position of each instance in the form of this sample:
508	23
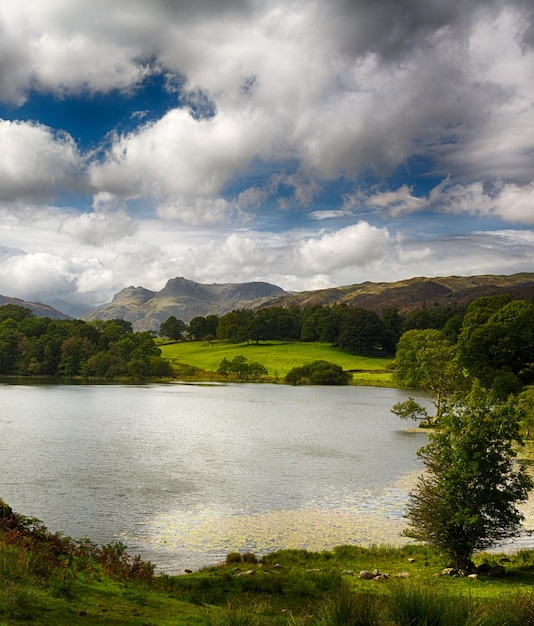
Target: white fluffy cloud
35	162
291	97
359	245
178	157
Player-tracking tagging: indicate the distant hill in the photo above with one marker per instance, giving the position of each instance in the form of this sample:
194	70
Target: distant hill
41	310
414	293
186	299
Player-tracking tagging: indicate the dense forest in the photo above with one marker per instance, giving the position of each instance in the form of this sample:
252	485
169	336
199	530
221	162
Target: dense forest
40	346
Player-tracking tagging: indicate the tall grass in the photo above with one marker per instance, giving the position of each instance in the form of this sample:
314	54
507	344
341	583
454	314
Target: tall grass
347	608
510	610
416	605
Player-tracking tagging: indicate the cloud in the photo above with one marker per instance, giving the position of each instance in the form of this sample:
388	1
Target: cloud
358	245
36	163
507	201
99	227
36	276
401	200
178	157
337	88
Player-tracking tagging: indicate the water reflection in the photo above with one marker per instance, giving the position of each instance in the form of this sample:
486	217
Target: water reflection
184	474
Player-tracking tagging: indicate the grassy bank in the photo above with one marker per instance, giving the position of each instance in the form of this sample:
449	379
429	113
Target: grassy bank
200	360
46	579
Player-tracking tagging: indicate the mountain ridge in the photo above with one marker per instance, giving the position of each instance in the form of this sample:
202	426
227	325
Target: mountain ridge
186	299
183	298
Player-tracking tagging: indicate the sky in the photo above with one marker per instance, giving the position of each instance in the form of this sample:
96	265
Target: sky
306	143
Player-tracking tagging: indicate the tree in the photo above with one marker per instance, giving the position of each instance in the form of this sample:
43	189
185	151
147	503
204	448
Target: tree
497	343
201	328
361	331
9	350
172	328
425	359
234	325
466	500
14	312
240	369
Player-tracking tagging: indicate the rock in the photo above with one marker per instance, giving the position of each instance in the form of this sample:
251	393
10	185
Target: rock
347	572
313	569
277	566
376	572
381	577
249	572
402	575
366	575
449	571
188	571
411	560
472	576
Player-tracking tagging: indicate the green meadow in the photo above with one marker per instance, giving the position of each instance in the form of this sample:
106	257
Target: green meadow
45	579
196	359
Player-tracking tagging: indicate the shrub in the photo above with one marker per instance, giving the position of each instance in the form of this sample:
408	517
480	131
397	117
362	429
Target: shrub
233	557
318	373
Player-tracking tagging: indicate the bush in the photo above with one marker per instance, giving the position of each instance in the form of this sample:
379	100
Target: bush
318	373
233	557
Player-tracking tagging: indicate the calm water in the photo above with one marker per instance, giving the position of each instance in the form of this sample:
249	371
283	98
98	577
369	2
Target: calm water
184	474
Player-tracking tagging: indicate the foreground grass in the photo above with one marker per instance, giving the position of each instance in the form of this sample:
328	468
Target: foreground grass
195	359
46	579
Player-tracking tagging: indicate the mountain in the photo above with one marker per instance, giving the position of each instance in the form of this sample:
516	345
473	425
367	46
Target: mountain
41	310
414	293
185	299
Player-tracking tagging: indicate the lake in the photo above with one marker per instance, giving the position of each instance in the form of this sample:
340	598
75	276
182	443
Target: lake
184	474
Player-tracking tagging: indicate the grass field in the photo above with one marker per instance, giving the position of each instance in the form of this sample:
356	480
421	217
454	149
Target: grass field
278	357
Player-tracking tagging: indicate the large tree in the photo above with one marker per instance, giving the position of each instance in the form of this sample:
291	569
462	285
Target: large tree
172	328
466	500
425	359
361	331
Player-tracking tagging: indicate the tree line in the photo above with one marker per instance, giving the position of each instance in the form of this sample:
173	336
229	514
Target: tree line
353	329
41	346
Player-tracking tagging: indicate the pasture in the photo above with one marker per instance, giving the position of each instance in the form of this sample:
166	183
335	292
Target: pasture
277	356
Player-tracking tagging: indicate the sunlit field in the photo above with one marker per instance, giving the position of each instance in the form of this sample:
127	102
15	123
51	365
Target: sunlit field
278	357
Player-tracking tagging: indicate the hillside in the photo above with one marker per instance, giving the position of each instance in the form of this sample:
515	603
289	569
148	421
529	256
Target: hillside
414	293
41	310
185	299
